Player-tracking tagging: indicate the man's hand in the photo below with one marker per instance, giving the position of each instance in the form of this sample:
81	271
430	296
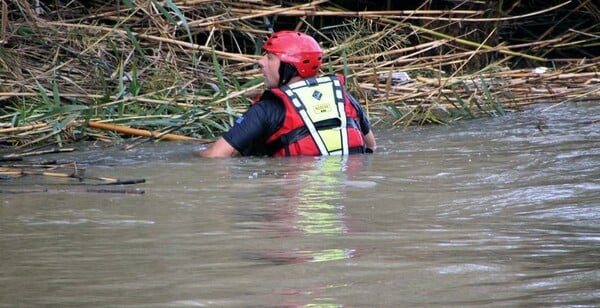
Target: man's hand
221	148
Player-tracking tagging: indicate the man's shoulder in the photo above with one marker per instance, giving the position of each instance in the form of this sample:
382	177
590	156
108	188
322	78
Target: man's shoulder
268	97
269	103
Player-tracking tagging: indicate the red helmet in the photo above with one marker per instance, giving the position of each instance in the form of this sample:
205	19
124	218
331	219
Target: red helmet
298	49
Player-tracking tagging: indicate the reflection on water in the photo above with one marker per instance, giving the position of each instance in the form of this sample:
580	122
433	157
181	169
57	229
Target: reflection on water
310	202
486	212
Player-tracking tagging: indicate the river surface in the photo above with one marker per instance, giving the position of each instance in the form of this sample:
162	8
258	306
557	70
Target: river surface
489	212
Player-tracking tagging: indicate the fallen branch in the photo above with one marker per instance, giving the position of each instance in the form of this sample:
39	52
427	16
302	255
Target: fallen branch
106	181
50	151
142	132
136	191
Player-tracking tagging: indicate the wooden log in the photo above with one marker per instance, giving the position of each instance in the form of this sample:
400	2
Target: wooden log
141	132
41	152
136	191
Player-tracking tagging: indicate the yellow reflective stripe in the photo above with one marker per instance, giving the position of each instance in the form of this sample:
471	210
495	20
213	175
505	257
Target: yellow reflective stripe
318	109
332	139
310	125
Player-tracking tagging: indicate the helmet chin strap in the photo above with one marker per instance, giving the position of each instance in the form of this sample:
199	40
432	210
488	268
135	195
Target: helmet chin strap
286	72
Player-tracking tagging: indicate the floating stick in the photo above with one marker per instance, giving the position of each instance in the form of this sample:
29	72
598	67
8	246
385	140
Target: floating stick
136	191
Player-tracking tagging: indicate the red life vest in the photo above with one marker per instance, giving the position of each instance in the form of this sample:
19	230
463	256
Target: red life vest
301	135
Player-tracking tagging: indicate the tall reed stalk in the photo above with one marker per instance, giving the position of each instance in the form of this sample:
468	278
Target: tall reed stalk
190	67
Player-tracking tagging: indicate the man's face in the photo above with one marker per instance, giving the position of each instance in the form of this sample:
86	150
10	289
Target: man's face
270	69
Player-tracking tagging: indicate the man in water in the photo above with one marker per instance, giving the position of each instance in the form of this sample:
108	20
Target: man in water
299	113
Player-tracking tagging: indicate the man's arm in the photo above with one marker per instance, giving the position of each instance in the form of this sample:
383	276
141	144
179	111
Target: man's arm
365	124
221	148
370	141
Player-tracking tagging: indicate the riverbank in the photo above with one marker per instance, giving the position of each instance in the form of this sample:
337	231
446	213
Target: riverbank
113	71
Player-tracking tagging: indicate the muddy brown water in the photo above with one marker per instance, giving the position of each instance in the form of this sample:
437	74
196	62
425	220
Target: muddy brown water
489	212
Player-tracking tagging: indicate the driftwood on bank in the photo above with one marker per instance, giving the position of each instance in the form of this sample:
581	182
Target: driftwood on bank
68	177
143	133
160	69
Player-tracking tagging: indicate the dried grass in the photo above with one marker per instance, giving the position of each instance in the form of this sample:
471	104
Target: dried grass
191	66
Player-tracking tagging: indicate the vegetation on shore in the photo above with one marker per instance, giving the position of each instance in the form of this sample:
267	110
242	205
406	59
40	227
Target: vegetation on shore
101	70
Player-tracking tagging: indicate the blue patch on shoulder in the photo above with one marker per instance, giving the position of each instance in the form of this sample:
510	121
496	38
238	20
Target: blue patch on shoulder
239	120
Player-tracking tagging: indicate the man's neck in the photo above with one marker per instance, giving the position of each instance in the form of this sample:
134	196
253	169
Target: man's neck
294	79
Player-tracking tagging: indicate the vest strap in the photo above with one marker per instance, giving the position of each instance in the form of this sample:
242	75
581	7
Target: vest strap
285	140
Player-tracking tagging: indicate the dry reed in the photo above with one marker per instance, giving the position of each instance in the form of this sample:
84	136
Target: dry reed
191	66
